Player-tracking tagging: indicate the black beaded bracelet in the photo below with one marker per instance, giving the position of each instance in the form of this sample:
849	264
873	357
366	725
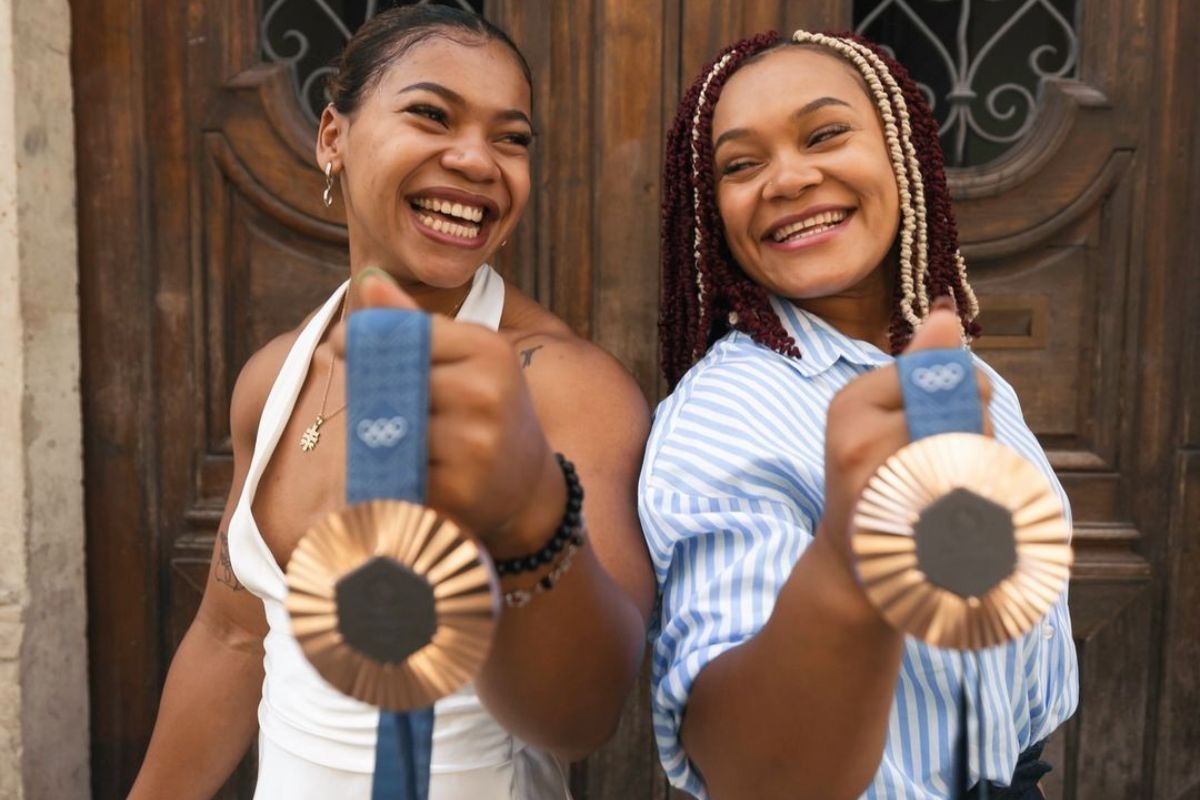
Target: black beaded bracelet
569	530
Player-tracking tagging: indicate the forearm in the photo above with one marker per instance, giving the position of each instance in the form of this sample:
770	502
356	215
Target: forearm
800	710
561	667
207	718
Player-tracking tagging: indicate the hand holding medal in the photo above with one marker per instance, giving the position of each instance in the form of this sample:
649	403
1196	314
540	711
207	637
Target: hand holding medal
956	539
391	601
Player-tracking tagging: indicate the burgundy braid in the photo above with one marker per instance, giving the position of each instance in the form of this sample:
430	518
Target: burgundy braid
689	324
686	324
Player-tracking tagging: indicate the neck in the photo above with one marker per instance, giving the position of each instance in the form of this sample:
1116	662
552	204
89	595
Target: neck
863	311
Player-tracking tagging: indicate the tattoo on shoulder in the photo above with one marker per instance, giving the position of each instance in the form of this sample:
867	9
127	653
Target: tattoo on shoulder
225	573
527	355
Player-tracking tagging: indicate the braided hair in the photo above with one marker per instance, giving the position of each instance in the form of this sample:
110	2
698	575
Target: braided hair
704	291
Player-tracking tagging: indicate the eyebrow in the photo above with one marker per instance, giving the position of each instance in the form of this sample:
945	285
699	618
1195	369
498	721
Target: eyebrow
451	96
806	109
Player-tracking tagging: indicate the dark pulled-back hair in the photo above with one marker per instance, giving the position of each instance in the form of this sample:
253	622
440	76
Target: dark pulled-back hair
704	291
387	36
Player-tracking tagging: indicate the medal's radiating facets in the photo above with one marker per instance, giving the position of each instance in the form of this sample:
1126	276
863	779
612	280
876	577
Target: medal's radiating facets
961	542
385	610
392	603
965	543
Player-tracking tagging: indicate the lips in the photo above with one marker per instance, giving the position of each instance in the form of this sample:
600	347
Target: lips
812	223
456	216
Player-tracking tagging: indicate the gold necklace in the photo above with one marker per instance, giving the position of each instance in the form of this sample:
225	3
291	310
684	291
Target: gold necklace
312	434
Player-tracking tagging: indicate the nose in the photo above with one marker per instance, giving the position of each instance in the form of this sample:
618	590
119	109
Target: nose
471	157
791	175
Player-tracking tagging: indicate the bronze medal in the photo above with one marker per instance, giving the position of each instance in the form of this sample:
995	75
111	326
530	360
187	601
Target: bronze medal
961	542
391	603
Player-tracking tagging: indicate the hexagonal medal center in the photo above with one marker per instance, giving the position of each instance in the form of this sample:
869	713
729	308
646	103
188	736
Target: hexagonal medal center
965	543
385	610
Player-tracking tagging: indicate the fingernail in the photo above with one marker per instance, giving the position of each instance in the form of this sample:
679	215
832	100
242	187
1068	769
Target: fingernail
374	272
945	302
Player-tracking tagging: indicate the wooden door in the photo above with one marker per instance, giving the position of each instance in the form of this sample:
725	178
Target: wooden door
202	235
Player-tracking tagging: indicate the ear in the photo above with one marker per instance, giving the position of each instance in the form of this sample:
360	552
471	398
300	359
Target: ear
331	138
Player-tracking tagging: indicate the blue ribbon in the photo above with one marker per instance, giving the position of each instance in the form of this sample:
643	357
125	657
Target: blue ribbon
387	414
403	751
941	395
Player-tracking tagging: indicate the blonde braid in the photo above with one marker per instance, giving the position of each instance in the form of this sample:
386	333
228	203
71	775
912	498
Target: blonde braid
972	301
696	181
914	172
899	166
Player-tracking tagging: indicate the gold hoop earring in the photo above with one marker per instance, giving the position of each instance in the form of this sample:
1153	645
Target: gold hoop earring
327	195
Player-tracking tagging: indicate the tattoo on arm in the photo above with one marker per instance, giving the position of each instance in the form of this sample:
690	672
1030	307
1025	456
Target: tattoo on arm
225	573
527	355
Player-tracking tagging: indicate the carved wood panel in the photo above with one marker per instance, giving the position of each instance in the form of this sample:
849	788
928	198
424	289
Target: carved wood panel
203	235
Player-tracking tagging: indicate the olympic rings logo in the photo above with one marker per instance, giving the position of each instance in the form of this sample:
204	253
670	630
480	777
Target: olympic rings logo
382	432
939	377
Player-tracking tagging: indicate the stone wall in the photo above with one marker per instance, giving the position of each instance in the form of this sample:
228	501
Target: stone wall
43	655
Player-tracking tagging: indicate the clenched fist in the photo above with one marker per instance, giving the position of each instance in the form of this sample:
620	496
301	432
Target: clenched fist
866	425
490	466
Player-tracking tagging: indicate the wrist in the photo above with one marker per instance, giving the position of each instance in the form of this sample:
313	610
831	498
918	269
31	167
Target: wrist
839	588
538	519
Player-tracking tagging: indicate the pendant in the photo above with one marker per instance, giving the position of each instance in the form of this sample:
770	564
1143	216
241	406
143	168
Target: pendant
312	435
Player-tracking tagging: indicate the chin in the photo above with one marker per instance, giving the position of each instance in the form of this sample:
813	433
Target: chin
448	277
815	286
441	270
807	290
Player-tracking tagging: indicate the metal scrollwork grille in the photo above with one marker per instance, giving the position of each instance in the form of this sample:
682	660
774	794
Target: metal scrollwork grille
981	65
308	34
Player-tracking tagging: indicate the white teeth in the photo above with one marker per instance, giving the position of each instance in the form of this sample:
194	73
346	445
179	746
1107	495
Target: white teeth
443	226
817	223
460	210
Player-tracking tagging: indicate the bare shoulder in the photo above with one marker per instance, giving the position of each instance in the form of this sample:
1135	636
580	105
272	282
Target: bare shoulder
592	412
573	381
254	384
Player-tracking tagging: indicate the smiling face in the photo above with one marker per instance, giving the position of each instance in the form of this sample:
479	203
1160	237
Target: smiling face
434	161
804	184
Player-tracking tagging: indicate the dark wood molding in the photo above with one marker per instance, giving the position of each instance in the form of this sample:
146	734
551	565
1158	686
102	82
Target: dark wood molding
274	95
1067	108
241	177
1068	211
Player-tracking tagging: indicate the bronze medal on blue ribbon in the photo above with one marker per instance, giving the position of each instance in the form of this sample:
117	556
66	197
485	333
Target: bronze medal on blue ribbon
391	602
958	540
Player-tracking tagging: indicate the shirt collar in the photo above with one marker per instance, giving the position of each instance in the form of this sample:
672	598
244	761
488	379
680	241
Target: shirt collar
821	345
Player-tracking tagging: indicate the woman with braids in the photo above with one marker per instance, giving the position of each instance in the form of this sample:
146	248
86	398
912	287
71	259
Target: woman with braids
808	238
426	142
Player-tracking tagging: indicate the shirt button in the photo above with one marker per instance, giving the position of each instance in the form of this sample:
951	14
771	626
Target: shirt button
1047	631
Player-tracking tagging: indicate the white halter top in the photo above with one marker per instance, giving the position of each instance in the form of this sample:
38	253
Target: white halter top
311	721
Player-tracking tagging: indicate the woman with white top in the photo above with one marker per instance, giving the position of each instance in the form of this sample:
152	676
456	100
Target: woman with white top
426	142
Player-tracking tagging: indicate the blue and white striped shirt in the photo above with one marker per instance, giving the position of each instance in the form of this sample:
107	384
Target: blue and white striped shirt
732	489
